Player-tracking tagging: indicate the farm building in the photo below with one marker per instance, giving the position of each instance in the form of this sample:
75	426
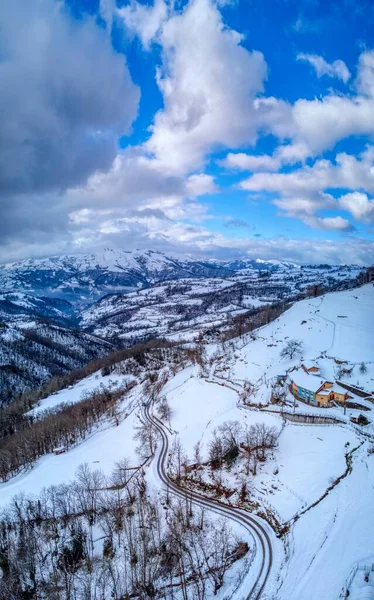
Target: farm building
310	368
314	390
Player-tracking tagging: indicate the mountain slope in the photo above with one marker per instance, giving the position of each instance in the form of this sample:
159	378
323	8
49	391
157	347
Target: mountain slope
84	278
18	307
189	306
34	351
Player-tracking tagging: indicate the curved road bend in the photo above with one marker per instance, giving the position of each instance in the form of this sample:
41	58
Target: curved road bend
258	532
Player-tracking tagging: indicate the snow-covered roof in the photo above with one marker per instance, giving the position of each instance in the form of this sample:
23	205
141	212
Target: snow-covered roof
310	365
306	380
338	389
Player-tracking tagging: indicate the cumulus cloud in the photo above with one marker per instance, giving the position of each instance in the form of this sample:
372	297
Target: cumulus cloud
250	162
66	96
209	82
320	123
336	69
347	171
331	223
143	20
302	193
359	205
313	126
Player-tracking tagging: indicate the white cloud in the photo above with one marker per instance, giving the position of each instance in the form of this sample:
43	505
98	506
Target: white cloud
284	155
209	83
302	192
365	77
249	162
145	21
211	87
359	205
320	123
107	10
331	223
200	184
348	172
336	69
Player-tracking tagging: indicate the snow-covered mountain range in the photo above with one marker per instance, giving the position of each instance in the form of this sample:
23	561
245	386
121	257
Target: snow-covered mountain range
49	306
82	279
85	278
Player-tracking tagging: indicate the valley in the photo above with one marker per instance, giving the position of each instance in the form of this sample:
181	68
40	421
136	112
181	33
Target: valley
215	417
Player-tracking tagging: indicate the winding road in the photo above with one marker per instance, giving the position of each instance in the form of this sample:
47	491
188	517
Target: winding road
263	559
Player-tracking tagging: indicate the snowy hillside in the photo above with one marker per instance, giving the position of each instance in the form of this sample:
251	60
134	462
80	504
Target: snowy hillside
313	486
186	307
176	298
32	350
16	307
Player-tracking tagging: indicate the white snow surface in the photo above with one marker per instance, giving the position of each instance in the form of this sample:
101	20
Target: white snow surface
101	451
75	393
325	542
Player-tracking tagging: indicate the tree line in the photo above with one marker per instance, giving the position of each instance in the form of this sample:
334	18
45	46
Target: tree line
132	361
65	426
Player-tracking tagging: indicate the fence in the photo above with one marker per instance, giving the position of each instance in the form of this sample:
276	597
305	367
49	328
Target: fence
306	418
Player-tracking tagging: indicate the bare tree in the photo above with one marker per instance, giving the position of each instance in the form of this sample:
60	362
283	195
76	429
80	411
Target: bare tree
146	435
278	393
164	410
292	348
216	451
230	432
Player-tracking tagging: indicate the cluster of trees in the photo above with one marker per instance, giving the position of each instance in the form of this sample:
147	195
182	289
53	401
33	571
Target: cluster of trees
230	442
64	426
253	442
253	319
103	537
39	388
152	355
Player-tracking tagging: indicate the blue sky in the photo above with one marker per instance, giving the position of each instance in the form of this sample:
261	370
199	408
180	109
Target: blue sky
208	127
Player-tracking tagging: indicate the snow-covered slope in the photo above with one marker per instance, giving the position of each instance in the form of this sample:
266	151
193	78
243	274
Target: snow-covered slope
16	307
33	350
318	483
188	306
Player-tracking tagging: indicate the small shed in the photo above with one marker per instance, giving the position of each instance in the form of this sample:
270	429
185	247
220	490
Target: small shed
310	368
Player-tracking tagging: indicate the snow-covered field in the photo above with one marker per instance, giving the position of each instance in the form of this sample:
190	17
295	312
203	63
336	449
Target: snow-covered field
77	392
327	541
324	542
320	324
101	450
